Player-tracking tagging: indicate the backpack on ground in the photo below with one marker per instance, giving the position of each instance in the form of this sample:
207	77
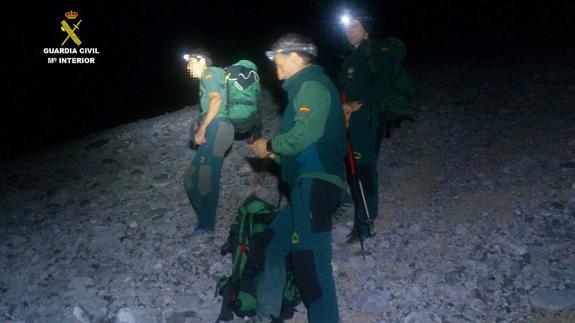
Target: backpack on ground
247	241
242	86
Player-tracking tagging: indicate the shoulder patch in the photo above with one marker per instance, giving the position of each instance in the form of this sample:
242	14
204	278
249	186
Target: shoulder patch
385	49
304	108
208	76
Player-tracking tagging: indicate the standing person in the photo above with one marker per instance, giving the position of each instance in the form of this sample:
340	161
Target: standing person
310	148
213	136
367	81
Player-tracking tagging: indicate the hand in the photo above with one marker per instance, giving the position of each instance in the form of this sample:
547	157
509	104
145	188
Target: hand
259	147
200	136
350	107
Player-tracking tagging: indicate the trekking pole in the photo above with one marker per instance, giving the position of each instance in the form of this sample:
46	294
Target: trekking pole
357	184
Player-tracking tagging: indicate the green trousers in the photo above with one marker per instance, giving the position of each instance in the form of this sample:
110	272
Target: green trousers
202	178
302	240
363	132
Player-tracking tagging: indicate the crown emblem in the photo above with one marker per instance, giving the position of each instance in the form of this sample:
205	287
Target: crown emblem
71	14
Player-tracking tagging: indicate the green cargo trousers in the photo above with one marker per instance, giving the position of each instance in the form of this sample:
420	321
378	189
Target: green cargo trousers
202	178
363	131
302	239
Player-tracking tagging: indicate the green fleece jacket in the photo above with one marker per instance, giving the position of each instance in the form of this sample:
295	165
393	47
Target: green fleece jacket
311	140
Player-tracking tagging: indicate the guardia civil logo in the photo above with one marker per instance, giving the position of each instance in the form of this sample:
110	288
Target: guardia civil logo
71	15
71	50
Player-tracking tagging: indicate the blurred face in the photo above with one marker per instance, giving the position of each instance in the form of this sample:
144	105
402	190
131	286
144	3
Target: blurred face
287	65
196	66
355	33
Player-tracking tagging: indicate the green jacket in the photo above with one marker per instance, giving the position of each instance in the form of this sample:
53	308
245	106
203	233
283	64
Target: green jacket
370	72
311	140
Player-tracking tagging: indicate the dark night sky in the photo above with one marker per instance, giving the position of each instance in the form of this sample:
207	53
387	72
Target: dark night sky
140	73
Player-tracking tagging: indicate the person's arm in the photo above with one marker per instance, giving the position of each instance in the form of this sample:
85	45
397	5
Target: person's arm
214	107
312	104
212	81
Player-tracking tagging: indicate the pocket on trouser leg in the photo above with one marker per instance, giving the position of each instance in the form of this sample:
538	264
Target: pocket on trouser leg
325	198
305	274
205	180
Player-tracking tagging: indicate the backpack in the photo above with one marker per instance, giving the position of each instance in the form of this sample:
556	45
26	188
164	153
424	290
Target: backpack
404	84
247	241
242	85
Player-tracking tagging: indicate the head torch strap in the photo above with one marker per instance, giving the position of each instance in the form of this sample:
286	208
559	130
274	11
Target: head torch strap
311	50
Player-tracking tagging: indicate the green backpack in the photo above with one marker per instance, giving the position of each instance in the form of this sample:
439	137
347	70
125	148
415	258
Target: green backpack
247	241
242	86
405	86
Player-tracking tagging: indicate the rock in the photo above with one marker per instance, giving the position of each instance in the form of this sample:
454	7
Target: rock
422	317
414	228
461	230
186	303
81	315
125	315
374	302
517	249
553	300
216	268
133	224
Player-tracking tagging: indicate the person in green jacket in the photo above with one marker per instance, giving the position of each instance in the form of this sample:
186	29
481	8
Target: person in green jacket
310	148
366	77
213	136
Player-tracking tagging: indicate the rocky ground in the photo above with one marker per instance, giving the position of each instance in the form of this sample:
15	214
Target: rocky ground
477	212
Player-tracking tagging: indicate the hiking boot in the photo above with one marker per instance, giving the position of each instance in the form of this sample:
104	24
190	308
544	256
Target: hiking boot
345	211
353	236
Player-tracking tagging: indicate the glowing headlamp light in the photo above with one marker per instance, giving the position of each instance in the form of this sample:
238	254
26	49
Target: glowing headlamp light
187	57
345	19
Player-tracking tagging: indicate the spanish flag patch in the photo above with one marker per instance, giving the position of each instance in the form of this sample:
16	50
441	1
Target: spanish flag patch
208	76
304	108
385	49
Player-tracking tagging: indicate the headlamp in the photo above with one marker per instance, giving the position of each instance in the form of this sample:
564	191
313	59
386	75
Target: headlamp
308	49
345	19
186	57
